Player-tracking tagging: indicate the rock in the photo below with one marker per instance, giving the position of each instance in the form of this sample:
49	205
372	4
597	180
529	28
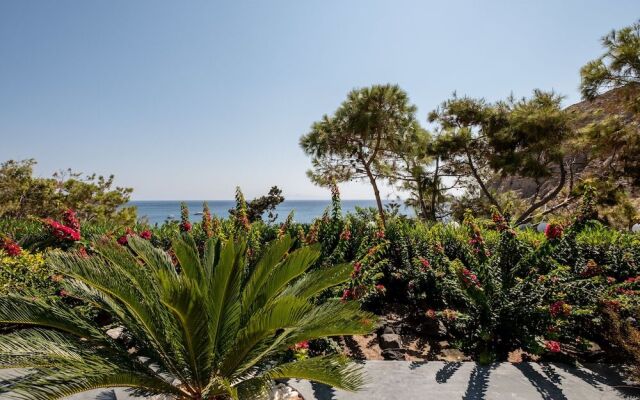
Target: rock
115	333
393	354
388	329
434	328
390	341
281	391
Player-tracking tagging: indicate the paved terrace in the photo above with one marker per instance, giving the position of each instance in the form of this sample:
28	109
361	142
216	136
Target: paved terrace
466	380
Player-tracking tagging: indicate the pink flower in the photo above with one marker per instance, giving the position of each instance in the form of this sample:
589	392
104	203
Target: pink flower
146	234
431	314
380	234
552	346
380	287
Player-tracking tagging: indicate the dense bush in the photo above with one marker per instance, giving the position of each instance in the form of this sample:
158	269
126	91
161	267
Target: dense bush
495	288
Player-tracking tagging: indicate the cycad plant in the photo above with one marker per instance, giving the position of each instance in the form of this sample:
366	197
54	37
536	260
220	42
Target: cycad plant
209	327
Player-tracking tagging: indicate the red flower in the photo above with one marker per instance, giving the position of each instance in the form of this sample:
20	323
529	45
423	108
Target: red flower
380	234
185	226
553	231
469	278
82	252
431	314
425	264
346	295
123	240
70	219
380	287
611	280
146	234
345	235
631	280
11	248
357	266
560	308
552	346
302	345
62	232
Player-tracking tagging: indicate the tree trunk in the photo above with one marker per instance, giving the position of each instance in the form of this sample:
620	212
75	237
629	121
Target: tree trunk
376	192
435	189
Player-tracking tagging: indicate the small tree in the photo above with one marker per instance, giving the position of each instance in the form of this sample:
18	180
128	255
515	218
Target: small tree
357	141
514	138
619	65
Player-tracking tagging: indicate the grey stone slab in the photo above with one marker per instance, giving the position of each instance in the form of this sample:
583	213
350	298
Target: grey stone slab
454	380
470	381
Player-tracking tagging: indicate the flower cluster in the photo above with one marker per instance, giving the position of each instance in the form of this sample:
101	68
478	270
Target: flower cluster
469	279
591	269
552	346
553	231
499	221
62	232
124	239
70	220
185	225
345	234
560	308
357	267
424	264
207	225
10	247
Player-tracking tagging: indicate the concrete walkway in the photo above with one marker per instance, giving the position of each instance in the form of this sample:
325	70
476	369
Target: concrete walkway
448	381
467	380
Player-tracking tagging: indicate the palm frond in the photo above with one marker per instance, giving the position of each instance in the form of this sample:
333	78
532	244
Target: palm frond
336	371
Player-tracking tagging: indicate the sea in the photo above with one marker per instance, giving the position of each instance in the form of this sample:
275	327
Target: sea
305	211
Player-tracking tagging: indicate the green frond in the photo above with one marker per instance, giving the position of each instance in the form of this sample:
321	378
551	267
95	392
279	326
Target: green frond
19	310
334	318
293	266
54	387
336	371
187	254
223	292
274	252
253	342
184	298
316	281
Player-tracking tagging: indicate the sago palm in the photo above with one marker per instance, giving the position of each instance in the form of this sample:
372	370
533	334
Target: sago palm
207	329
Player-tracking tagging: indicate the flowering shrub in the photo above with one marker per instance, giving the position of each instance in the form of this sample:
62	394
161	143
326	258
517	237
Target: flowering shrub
10	247
61	232
185	224
26	273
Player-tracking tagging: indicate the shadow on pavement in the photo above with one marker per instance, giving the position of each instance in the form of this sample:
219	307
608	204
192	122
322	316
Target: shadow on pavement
545	386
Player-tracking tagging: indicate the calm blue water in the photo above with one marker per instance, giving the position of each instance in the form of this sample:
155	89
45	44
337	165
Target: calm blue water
304	210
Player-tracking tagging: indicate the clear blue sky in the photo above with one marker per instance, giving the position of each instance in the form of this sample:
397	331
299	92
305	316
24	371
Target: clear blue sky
187	99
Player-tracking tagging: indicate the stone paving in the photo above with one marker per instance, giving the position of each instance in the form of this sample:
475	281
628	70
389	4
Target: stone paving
464	380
